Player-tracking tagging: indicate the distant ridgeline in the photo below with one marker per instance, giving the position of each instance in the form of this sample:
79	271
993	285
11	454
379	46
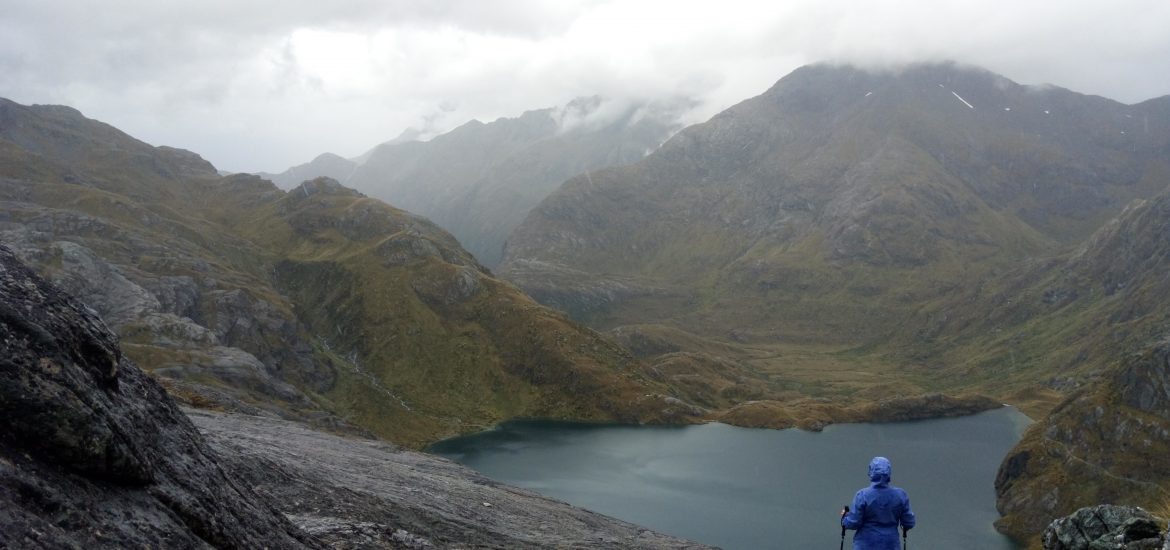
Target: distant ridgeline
848	246
479	180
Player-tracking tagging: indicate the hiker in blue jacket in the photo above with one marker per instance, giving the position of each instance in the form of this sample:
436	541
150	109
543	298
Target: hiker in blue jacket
877	511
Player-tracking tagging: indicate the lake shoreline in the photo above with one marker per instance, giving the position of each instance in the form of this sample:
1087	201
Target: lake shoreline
739	487
807	414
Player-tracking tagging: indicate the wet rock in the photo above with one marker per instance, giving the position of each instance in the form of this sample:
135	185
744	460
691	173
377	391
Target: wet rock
360	493
1105	527
342	533
177	294
92	451
100	285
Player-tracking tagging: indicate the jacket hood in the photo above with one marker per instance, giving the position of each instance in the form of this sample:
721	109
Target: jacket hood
879	470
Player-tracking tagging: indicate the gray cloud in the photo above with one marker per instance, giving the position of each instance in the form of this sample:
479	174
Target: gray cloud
262	85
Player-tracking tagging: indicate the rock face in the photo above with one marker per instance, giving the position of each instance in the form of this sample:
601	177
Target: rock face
92	451
1106	527
368	494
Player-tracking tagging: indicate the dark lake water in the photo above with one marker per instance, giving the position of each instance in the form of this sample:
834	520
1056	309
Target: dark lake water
745	488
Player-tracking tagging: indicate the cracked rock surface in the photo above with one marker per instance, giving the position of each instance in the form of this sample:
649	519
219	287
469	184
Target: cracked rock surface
356	493
93	453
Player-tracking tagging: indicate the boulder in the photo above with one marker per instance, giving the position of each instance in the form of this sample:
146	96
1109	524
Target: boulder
1106	527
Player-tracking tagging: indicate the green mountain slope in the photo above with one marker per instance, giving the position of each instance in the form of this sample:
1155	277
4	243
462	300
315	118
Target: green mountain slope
318	304
835	204
1092	323
829	226
479	180
1107	443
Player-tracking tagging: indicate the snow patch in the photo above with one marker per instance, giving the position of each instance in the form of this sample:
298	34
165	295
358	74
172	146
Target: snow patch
960	98
867	94
1007	108
1046	111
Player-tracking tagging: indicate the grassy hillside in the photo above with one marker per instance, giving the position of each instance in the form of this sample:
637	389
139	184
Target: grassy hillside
318	304
851	222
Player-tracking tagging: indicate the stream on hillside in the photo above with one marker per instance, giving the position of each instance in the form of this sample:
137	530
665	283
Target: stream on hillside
742	488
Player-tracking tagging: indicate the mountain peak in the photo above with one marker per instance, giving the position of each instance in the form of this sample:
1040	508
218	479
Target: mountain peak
325	186
910	168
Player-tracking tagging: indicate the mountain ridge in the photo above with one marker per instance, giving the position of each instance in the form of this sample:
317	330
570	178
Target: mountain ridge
768	197
245	297
479	179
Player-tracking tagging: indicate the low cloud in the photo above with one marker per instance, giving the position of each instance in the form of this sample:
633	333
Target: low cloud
268	84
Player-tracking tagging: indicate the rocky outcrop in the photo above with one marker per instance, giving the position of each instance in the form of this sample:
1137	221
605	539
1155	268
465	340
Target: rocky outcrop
195	327
1107	442
1106	527
92	451
355	493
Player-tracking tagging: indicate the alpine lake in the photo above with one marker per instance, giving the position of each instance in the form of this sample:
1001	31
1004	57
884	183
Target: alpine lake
741	488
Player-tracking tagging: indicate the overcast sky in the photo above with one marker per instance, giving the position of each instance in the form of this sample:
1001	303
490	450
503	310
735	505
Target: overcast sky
265	84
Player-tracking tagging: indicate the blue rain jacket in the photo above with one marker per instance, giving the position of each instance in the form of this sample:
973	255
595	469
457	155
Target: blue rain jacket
878	510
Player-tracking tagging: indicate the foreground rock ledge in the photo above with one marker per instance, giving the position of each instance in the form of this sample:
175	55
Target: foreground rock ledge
354	493
1106	527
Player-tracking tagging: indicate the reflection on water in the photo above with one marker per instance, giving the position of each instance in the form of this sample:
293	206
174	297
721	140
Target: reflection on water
747	488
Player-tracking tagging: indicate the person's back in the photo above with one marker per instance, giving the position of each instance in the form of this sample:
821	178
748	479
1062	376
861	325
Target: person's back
878	511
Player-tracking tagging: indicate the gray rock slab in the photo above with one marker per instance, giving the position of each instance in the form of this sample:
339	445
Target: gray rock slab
364	493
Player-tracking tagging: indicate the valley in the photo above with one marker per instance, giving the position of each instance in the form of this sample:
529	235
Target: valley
851	246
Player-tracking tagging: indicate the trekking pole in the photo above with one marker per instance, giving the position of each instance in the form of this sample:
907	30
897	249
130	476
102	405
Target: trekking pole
904	538
843	529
